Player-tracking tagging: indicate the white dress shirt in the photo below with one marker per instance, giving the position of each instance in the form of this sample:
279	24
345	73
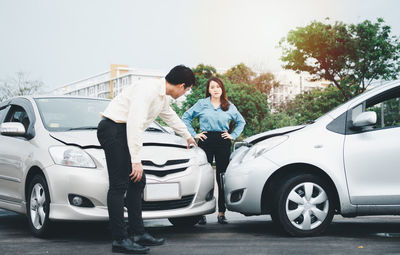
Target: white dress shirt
138	106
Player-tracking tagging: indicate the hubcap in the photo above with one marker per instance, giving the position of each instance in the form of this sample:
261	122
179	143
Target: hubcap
307	206
38	204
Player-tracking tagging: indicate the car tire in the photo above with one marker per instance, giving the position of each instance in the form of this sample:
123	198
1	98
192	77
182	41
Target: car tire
303	205
185	222
38	206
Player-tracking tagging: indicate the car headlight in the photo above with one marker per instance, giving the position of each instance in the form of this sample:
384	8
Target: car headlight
71	156
201	156
264	146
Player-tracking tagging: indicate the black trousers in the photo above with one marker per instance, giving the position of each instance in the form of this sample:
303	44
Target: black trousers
112	137
216	146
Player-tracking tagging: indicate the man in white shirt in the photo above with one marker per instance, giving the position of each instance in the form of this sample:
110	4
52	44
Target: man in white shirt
120	134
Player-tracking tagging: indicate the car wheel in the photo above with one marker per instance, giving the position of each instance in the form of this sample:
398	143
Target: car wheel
38	206
183	222
303	205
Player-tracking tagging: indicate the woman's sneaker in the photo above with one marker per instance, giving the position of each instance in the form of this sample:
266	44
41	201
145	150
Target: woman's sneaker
222	219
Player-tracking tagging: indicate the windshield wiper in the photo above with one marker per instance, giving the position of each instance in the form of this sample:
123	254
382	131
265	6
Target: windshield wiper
309	122
151	129
82	128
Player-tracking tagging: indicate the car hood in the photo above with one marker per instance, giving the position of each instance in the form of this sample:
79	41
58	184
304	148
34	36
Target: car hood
265	135
88	139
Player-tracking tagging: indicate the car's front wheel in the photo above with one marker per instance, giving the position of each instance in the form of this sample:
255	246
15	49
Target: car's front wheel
38	206
303	205
183	222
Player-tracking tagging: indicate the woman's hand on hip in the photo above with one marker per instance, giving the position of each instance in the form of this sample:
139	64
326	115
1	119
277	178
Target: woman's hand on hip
201	136
137	172
226	135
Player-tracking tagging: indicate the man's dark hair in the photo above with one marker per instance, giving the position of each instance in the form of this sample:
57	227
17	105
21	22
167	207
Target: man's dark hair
181	74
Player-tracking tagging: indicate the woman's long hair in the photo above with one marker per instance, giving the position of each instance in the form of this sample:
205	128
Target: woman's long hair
224	98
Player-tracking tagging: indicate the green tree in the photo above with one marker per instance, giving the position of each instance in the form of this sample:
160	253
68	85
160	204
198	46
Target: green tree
19	85
278	120
202	71
265	82
376	54
351	56
312	104
252	104
240	74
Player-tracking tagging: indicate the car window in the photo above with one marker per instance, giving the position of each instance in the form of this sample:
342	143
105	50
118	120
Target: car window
18	114
385	105
387	112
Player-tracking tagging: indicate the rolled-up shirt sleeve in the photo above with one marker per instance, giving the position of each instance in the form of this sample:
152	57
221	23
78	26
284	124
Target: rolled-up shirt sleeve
189	115
239	121
172	119
135	125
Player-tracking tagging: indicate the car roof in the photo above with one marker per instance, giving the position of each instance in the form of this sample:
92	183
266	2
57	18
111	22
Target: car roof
32	97
65	96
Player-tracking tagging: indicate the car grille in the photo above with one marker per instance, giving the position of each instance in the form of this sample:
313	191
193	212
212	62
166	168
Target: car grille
168	163
163	173
167	205
159	171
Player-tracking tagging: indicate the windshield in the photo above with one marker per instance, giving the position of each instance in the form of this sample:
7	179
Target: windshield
62	114
66	114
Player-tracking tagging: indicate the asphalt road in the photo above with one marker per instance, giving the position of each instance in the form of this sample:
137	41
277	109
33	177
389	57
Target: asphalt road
243	235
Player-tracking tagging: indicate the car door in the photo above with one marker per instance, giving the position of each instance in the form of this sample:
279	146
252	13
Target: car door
15	152
3	111
372	154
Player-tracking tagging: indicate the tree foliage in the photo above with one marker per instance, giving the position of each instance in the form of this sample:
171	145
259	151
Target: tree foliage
19	85
252	104
376	54
204	71
351	56
242	74
312	104
265	82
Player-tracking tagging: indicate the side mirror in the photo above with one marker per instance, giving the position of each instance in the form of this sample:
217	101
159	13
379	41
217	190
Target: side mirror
12	129
365	119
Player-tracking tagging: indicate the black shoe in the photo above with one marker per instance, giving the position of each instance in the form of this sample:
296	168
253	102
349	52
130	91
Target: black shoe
128	247
203	220
147	240
222	219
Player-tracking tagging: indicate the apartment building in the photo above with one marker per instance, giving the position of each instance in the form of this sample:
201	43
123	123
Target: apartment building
109	83
287	91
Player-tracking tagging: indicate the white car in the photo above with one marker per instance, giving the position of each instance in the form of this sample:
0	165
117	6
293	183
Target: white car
346	162
53	168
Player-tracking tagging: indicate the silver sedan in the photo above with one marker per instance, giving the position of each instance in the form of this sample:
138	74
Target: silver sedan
53	168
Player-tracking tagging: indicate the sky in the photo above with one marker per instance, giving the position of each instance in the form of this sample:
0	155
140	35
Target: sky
62	41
